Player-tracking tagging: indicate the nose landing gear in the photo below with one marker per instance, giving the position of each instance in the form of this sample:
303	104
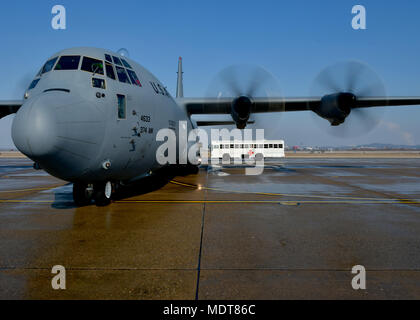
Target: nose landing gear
82	194
101	193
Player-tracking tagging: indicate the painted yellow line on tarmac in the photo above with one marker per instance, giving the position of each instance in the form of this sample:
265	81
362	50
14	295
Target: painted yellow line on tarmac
282	202
31	189
289	194
24	201
269	201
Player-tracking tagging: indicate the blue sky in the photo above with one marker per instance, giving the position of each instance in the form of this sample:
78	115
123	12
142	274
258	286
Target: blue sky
294	40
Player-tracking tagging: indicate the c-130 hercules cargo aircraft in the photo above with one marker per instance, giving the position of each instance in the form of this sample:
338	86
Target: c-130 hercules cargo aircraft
91	116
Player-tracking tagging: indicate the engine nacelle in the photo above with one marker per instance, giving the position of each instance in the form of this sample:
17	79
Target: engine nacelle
336	107
241	110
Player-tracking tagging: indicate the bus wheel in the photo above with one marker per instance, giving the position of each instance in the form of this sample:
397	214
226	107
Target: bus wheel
226	159
259	157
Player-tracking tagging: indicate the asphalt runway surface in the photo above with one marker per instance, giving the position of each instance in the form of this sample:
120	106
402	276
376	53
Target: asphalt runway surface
294	232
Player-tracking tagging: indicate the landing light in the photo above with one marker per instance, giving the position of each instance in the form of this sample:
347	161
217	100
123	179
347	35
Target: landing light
106	164
26	95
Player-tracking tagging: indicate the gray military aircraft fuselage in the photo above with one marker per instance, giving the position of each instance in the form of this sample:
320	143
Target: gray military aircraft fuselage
91	116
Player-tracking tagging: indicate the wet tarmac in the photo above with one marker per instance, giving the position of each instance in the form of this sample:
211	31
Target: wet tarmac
294	232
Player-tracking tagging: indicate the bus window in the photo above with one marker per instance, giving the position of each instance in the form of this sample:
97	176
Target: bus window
221	146
216	147
226	146
260	146
121	106
271	146
109	71
236	146
276	146
232	146
280	146
266	146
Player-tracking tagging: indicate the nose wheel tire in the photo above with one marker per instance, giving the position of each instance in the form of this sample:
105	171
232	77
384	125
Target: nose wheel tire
102	193
82	194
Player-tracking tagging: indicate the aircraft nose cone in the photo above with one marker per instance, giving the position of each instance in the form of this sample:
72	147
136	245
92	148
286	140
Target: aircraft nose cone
34	128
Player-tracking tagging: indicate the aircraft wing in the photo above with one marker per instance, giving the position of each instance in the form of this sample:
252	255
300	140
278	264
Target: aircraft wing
9	107
261	105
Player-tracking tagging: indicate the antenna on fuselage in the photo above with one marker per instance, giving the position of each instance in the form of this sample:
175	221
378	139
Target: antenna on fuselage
179	85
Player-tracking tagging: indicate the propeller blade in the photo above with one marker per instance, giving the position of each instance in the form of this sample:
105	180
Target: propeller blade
354	72
356	78
257	81
326	81
244	80
228	79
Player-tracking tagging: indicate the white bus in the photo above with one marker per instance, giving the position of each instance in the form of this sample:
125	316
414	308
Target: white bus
247	149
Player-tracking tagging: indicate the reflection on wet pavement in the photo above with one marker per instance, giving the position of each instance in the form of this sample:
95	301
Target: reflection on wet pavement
293	232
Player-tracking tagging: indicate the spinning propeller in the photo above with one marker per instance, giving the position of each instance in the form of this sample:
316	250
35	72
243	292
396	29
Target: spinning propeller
341	85
243	83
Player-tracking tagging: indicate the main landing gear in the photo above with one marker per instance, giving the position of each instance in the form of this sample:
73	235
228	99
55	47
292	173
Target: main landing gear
184	170
84	193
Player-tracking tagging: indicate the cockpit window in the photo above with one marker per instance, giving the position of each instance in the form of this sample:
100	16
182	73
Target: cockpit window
33	84
49	65
68	63
125	63
134	78
109	70
98	83
93	65
122	75
108	58
117	60
39	72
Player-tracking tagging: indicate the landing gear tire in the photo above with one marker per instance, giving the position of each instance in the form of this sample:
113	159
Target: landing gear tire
102	194
193	169
82	194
